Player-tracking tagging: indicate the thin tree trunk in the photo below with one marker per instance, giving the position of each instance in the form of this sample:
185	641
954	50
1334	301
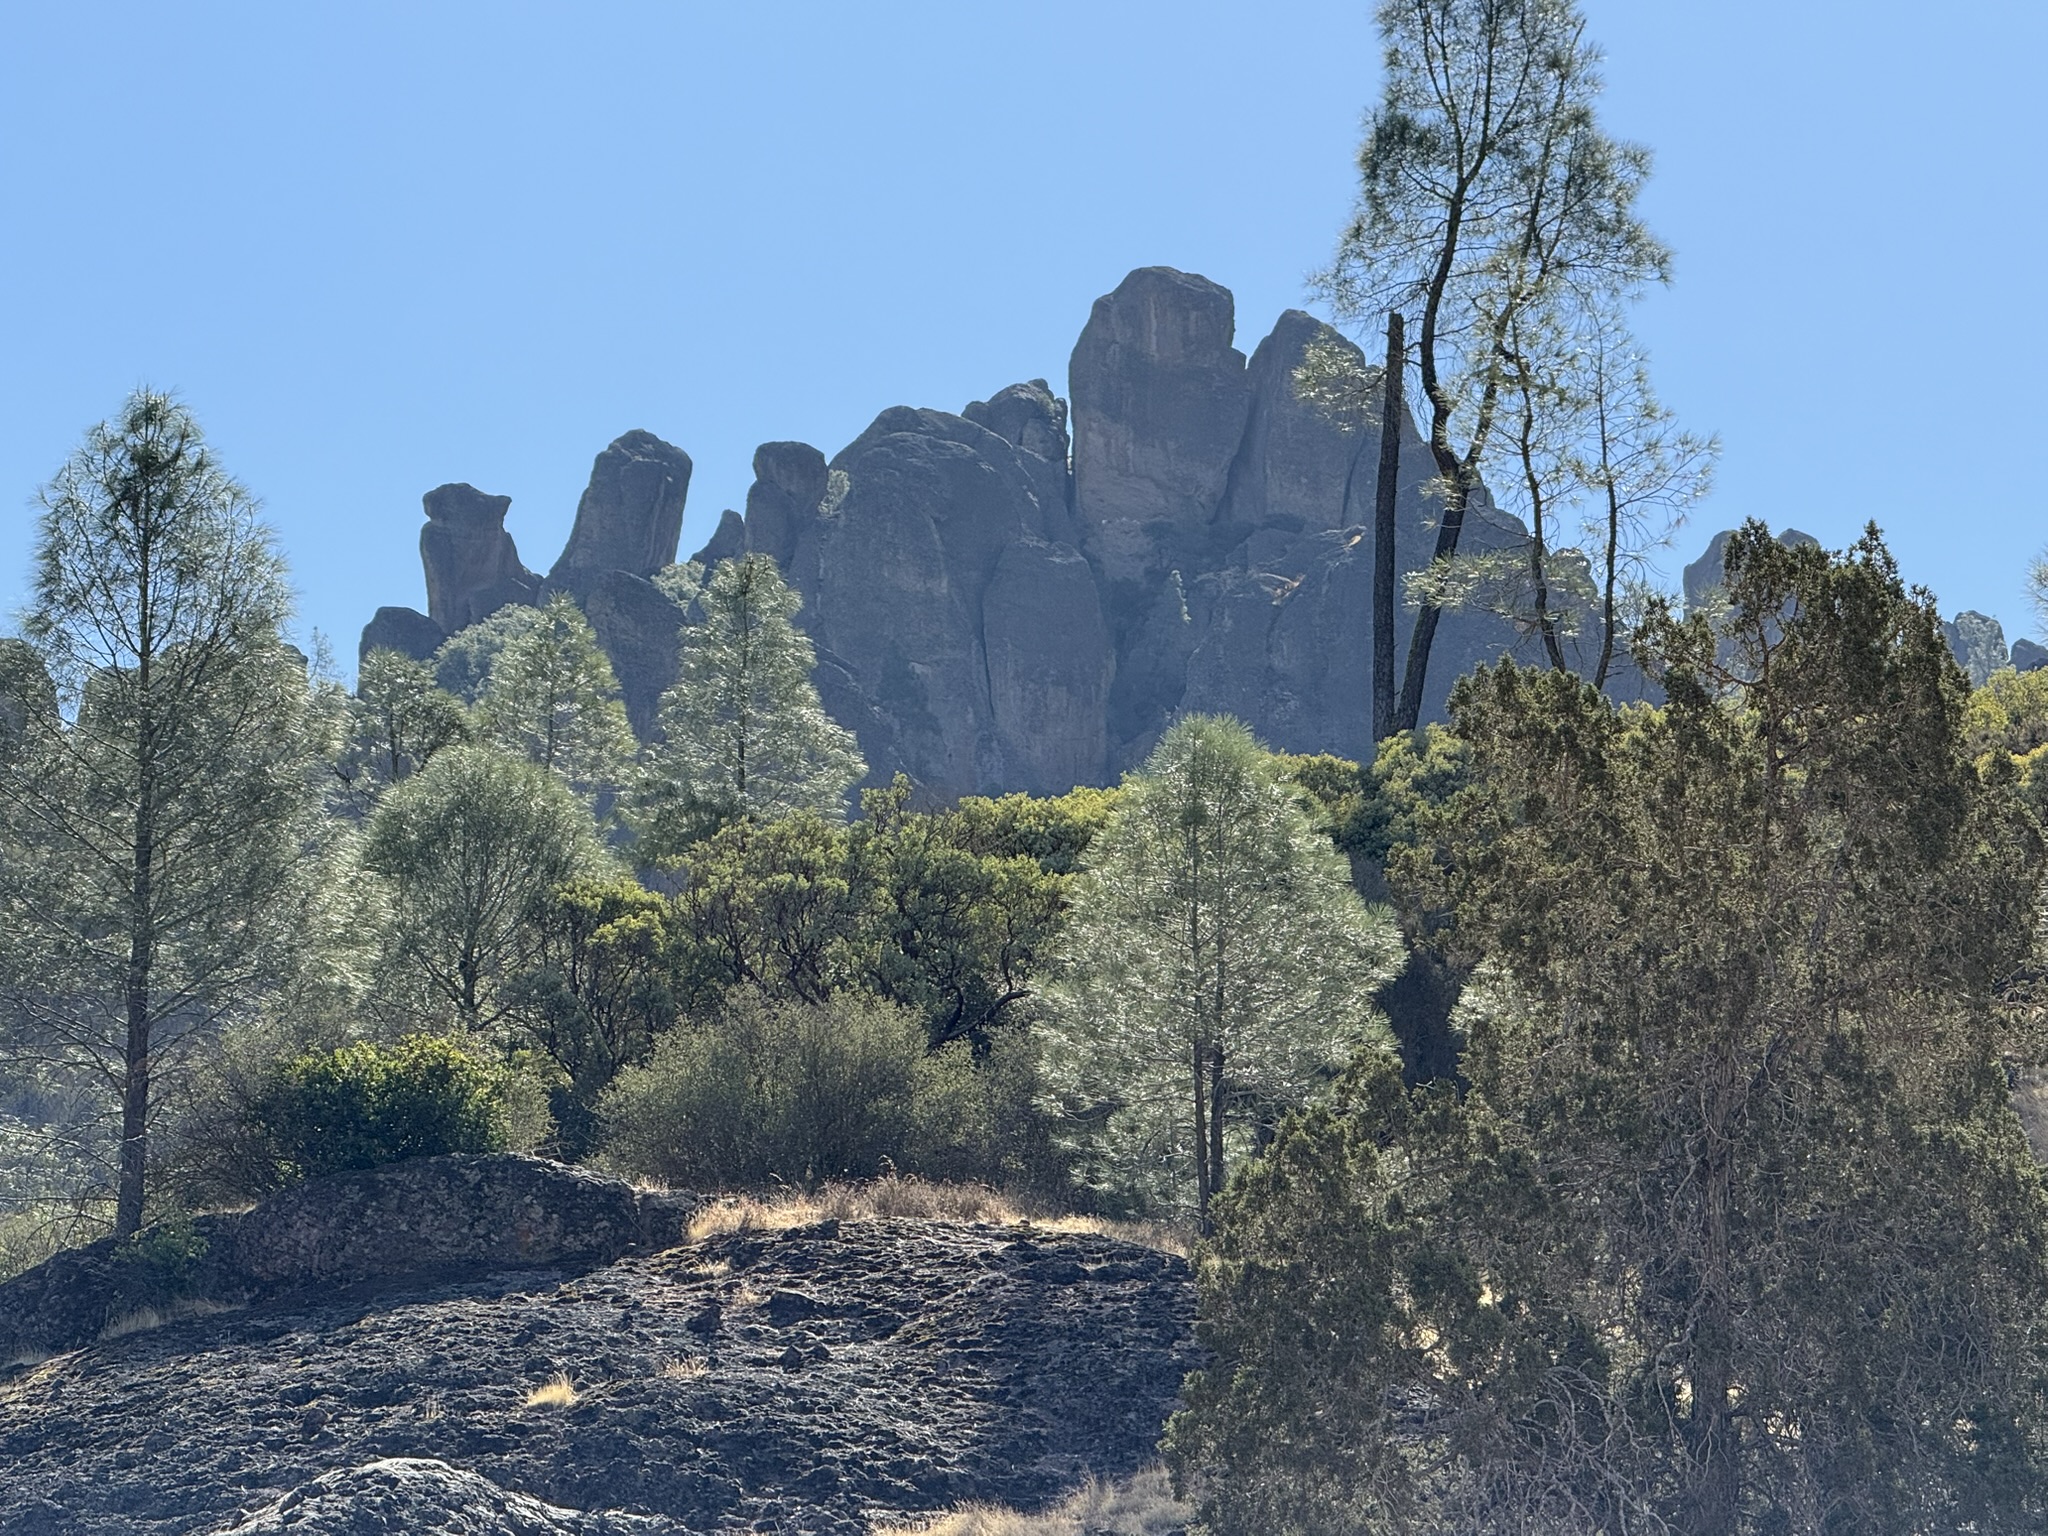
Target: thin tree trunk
1383	506
135	1067
1216	1116
1201	1138
1613	550
1456	494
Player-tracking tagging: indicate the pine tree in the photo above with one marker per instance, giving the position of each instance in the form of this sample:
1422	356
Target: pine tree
745	737
552	698
1219	967
159	811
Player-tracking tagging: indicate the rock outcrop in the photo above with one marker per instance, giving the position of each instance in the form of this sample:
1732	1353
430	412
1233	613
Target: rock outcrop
405	630
630	515
437	1213
1978	642
402	1495
472	565
1010	599
818	1379
2027	656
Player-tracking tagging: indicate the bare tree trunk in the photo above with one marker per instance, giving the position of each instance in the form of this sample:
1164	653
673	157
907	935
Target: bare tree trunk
1383	532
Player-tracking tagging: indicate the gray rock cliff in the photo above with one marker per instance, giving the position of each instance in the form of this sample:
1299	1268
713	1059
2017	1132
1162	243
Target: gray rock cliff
472	565
1017	597
630	514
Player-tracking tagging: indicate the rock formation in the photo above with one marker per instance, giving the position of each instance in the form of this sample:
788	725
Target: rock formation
818	1379
998	606
1978	641
630	514
2027	656
472	565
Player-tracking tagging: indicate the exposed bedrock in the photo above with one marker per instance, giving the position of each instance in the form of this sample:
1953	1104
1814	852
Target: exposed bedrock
1160	400
630	514
472	565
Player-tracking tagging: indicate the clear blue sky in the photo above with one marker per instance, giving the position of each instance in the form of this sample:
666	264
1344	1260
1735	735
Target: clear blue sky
382	246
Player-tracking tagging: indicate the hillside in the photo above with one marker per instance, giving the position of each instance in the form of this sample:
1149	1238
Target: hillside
817	1378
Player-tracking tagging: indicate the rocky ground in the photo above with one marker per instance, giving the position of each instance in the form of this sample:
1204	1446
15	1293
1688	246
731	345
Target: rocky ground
815	1379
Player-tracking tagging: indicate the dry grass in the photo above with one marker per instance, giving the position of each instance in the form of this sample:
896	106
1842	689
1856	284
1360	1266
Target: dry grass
683	1368
897	1197
1143	1505
148	1319
558	1391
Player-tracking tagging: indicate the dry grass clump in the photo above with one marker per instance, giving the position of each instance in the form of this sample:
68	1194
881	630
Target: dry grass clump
683	1368
148	1319
1143	1505
558	1391
902	1197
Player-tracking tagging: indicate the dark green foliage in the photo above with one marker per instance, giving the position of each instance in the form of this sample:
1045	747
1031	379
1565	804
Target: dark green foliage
1735	1230
161	1263
602	985
365	1105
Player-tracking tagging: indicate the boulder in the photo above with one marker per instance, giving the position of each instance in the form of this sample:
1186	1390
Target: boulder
1028	415
630	515
1160	401
433	1214
405	630
472	565
400	1495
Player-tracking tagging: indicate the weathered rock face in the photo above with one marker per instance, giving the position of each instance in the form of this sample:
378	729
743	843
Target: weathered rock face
1978	641
990	616
630	515
472	564
1160	400
405	630
940	582
498	1211
640	628
815	1379
2027	656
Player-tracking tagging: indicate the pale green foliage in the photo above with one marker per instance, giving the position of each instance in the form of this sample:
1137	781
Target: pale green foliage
161	792
1219	967
399	718
1497	217
746	738
463	664
552	698
467	848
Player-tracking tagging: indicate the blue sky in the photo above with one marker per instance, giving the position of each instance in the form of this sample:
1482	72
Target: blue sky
382	246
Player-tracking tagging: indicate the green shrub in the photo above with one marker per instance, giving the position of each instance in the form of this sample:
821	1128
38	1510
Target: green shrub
779	1091
364	1105
767	1091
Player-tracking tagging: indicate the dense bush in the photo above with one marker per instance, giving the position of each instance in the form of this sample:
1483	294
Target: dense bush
787	1091
364	1105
